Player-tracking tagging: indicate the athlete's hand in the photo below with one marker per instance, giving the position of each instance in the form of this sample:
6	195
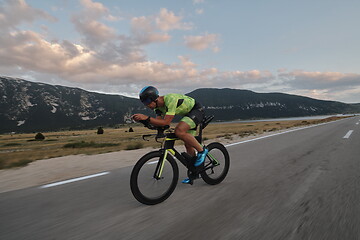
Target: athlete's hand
139	117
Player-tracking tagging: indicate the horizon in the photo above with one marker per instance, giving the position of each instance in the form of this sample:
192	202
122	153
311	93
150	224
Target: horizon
302	48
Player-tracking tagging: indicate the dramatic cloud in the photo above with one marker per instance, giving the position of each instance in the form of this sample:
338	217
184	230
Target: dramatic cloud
202	42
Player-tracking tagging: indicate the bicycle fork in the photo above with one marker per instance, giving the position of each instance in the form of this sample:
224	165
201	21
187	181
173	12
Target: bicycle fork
160	165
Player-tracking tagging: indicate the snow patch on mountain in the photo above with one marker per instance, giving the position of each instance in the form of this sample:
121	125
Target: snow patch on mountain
19	123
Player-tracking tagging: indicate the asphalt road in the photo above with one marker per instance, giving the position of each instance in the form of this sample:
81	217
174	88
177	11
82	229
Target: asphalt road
298	185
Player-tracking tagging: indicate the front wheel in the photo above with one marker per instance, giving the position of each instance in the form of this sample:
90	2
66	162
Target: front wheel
216	164
153	178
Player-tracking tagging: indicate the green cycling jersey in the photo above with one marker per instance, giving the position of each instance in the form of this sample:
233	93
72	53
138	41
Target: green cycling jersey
176	104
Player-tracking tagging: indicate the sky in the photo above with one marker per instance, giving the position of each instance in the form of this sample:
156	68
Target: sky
308	47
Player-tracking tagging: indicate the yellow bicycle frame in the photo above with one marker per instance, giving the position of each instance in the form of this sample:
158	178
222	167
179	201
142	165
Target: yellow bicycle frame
167	150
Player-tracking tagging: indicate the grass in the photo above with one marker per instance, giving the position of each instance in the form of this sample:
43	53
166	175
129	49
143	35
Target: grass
12	144
20	149
84	144
133	146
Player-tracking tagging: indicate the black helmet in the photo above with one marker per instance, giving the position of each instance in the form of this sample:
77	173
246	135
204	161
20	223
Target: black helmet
148	94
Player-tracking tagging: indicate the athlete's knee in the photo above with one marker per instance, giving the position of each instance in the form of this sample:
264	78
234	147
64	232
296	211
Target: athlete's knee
179	132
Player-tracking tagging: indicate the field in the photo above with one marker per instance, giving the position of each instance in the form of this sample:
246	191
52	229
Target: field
20	149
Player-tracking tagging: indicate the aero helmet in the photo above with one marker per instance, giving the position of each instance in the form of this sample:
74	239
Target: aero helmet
148	94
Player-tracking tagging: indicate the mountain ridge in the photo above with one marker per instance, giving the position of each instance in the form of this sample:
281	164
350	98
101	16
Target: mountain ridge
28	107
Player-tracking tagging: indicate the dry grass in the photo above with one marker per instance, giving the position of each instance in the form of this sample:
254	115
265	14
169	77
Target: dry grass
21	149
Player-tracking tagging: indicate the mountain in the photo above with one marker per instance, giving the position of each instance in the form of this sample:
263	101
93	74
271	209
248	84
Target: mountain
26	107
229	104
29	107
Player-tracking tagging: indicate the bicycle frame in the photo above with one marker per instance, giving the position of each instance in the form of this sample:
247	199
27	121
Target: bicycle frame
168	148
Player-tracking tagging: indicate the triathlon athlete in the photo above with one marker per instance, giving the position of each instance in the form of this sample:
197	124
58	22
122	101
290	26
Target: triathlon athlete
166	107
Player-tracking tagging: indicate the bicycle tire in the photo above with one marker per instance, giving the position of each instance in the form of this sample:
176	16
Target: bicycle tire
222	154
134	183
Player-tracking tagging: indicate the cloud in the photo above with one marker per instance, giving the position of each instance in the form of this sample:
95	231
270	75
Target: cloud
94	31
202	42
80	64
144	32
150	29
107	60
102	56
15	12
321	85
88	23
95	9
30	51
301	79
167	20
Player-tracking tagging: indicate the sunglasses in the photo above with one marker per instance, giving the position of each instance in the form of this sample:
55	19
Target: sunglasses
147	101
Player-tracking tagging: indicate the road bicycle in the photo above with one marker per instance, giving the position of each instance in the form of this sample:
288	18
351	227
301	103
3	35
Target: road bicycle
155	176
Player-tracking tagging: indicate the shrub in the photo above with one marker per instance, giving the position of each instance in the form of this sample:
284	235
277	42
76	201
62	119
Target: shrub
39	136
100	130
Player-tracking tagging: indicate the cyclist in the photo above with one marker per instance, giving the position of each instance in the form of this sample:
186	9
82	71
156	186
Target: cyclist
166	107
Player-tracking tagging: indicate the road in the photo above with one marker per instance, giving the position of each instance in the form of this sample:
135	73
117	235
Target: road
299	185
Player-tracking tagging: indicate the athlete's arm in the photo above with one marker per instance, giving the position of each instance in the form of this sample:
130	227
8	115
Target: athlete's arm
162	121
158	121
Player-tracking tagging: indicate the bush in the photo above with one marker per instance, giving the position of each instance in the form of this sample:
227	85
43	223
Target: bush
39	136
100	130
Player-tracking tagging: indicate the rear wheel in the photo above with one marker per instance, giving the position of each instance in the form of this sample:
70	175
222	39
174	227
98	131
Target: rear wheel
145	186
216	164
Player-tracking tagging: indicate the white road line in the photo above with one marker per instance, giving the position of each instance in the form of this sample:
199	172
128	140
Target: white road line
74	180
348	134
298	129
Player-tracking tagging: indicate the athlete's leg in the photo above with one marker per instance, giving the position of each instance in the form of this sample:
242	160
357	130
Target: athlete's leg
189	140
190	150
